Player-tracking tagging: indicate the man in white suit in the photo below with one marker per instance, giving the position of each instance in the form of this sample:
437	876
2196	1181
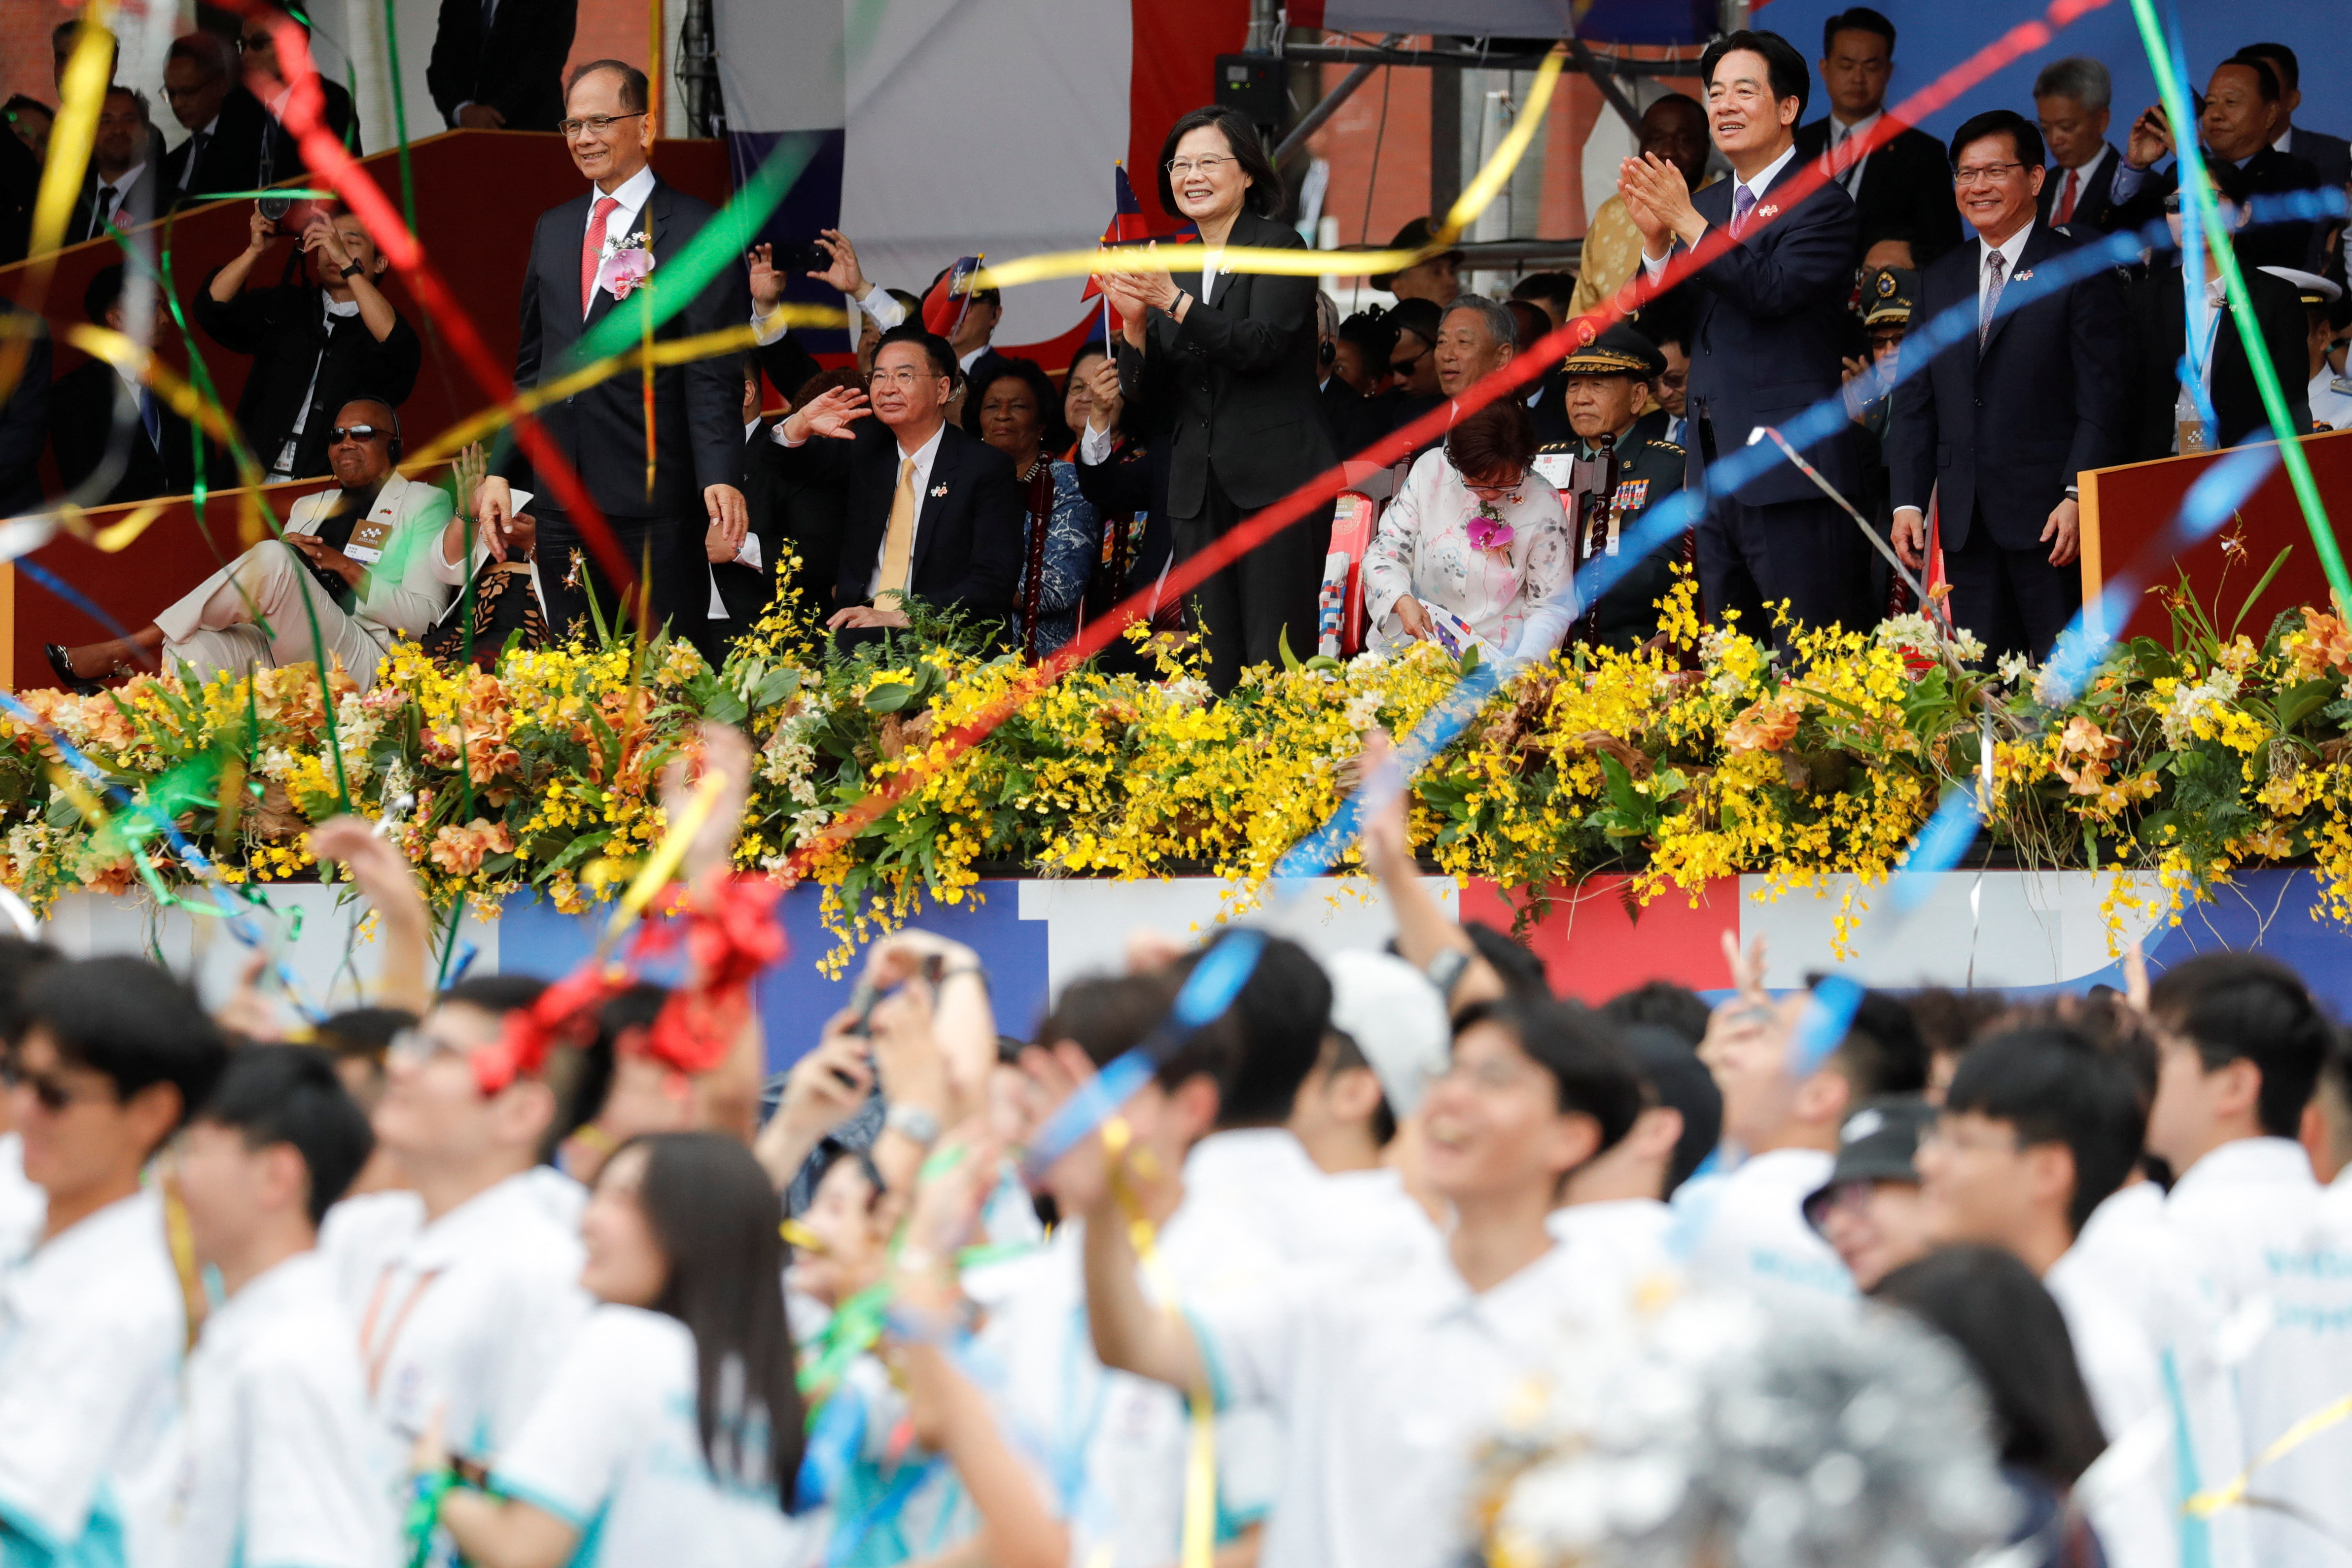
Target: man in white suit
363	557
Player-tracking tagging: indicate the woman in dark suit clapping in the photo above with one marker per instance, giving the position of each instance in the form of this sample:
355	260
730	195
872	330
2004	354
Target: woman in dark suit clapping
1226	365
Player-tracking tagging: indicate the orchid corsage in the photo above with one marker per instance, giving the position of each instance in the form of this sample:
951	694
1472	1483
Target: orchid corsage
1489	532
623	264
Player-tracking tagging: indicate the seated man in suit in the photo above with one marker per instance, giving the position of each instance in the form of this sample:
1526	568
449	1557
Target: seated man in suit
120	187
743	575
2072	99
932	513
1898	188
2237	124
2330	155
108	428
282	158
2167	417
362	561
1352	421
227	125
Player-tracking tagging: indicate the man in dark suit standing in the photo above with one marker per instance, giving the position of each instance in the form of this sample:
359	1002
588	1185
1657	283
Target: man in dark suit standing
2165	416
497	65
1769	318
930	512
101	420
2330	155
281	156
1998	426
577	275
1897	189
227	125
2073	99
2242	106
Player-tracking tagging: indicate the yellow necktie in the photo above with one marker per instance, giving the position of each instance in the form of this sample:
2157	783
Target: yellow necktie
898	541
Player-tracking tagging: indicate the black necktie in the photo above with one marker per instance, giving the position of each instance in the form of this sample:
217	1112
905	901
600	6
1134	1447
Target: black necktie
101	210
196	156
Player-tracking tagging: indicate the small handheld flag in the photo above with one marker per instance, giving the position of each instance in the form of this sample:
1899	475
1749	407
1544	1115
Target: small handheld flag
1126	225
950	296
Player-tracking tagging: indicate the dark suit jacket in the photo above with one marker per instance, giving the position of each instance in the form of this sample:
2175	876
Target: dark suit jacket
281	156
2094	204
232	160
284	330
518	69
1354	423
746	590
1234	383
137	204
2008	428
20	181
1907	192
1769	318
2269	173
2160	336
2330	156
698	408
83	407
968	527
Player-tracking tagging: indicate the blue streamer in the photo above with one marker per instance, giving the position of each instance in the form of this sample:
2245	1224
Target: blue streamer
71	595
1821	1027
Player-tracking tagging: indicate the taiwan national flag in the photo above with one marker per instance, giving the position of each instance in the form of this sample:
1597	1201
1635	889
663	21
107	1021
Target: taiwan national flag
1127	225
950	296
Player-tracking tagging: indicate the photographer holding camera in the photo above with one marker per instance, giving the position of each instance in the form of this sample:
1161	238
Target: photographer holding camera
315	341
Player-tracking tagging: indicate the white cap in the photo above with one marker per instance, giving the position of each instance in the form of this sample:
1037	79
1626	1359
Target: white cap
2315	289
1396	1019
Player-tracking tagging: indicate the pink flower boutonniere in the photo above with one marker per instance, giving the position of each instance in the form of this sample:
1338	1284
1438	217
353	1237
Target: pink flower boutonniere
1490	533
624	265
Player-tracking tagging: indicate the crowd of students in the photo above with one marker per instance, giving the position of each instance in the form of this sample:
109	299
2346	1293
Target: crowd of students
1373	1261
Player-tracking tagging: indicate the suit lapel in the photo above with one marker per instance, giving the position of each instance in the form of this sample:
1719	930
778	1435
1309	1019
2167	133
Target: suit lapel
930	506
656	212
2037	246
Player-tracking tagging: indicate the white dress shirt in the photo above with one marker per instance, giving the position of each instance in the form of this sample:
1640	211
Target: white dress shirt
123	185
334	308
1839	134
1656	266
1746	1230
23	1208
633	193
2135	1520
2205	307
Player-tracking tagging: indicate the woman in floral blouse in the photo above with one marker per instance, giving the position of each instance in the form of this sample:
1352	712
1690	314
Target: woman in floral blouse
1476	531
1014	408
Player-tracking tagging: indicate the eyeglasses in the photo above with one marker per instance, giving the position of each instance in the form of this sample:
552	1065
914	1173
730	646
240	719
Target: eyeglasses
1987	175
343	433
1507	490
1180	167
599	123
416	1047
52	1093
1405	367
901	377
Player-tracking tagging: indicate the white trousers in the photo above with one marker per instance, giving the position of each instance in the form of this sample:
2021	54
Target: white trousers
214	627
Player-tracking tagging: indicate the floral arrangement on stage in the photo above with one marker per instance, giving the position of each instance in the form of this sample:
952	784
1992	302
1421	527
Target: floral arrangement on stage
1699	757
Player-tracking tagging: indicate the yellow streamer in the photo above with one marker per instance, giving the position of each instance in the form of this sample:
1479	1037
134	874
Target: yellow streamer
2205	1504
1200	1537
658	870
672	351
1482	190
134	359
70	139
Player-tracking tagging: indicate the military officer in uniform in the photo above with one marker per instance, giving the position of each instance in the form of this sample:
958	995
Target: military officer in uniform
1609	477
1886	306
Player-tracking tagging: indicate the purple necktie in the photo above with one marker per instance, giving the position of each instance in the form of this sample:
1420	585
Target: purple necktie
1743	202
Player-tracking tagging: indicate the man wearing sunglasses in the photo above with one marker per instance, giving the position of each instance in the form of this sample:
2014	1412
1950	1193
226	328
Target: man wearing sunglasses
113	1056
363	557
664	471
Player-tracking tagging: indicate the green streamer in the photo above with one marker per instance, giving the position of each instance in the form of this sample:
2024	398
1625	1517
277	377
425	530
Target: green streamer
399	115
2190	163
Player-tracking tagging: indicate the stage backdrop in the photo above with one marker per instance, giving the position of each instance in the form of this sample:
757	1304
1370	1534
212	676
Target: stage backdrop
935	129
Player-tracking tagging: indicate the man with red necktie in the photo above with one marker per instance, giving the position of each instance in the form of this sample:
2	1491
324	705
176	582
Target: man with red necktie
2070	103
585	262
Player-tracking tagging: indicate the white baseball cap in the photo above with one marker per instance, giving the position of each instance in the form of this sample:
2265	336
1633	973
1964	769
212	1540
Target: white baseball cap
1396	1019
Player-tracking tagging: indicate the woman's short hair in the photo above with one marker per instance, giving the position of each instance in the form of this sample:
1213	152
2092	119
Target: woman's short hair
1264	194
1056	434
1498	436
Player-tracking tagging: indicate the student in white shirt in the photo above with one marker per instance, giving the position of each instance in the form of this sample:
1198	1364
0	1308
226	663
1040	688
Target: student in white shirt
1746	1229
276	1461
1870	1208
112	1055
2326	1129
2037	1127
23	1206
2241	1044
1617	1203
671	1432
1385	1386
465	1287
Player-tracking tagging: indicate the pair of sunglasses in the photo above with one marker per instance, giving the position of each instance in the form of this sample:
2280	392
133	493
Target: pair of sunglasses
343	433
52	1093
